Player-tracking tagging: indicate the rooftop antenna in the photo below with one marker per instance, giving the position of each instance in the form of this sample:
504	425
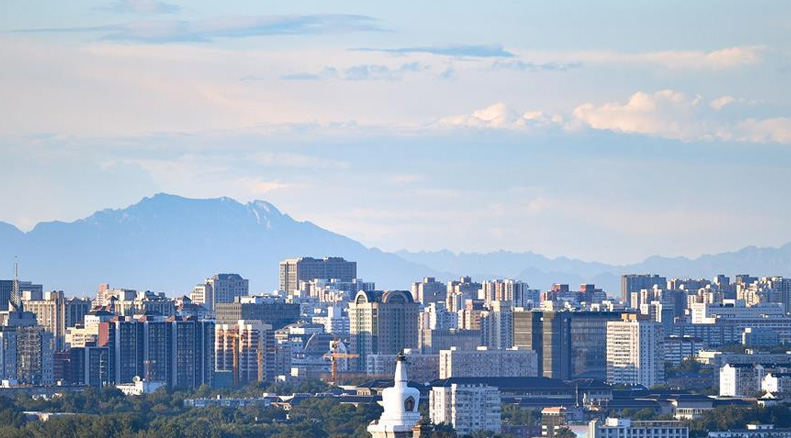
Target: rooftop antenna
16	298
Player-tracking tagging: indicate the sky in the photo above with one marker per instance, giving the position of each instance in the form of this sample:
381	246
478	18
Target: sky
608	131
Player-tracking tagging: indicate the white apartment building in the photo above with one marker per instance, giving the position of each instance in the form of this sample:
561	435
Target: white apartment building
776	383
635	352
704	313
742	380
626	428
482	362
467	407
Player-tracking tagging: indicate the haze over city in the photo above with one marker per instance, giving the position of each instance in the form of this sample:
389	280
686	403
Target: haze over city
605	131
356	219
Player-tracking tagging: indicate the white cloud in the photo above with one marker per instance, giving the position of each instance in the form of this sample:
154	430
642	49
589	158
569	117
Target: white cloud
500	116
718	59
666	113
674	115
721	102
776	130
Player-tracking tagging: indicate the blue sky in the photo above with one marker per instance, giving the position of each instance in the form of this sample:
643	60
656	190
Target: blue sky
608	131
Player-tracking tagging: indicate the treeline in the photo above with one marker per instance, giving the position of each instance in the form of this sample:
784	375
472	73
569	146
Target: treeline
110	414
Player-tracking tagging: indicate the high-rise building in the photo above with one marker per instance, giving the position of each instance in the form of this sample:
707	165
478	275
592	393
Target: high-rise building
294	271
497	325
240	349
56	313
458	292
637	282
26	354
588	338
468	407
549	335
7	287
635	352
568	344
382	323
516	292
429	291
268	310
174	351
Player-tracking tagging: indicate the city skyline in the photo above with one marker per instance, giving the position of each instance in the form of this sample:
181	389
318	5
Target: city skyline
597	132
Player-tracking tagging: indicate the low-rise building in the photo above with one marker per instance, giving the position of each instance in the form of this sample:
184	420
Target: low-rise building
482	362
626	428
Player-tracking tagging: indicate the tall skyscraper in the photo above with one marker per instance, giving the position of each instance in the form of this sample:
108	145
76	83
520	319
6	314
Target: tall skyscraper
382	323
635	352
549	335
294	271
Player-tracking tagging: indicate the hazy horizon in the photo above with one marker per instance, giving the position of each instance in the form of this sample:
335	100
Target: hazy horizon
608	131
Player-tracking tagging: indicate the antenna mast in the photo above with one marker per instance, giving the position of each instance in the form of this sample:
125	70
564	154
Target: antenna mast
16	298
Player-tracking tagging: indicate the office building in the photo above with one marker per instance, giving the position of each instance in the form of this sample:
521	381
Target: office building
26	356
549	335
269	310
432	341
7	288
240	350
295	271
468	407
483	362
637	282
220	288
429	291
382	323
56	313
635	352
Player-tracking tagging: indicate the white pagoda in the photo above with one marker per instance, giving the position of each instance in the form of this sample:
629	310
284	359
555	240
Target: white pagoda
400	418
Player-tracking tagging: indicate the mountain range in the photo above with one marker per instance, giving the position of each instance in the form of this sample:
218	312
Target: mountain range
169	243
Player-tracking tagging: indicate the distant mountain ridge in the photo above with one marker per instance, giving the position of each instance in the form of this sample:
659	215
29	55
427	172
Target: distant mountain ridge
542	271
169	243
